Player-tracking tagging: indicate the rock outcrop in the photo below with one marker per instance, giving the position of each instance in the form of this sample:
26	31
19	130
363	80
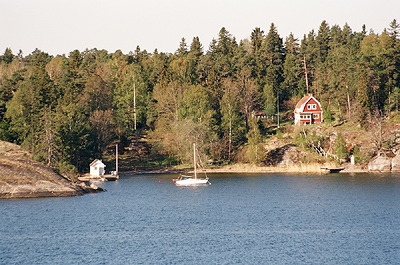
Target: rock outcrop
396	163
283	155
380	164
384	163
21	177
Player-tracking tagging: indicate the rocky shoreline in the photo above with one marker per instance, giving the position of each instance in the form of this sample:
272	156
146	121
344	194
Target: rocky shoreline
247	168
21	177
29	179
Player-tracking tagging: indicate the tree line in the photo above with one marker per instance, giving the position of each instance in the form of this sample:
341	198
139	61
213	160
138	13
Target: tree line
67	109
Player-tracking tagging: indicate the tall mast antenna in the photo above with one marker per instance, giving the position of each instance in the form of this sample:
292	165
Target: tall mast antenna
134	100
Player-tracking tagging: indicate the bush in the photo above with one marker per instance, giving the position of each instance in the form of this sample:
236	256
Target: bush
66	170
340	147
357	154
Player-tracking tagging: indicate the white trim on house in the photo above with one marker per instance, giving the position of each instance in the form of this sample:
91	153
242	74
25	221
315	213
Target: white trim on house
97	168
301	113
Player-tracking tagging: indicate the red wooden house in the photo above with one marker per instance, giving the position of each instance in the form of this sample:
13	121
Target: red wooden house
308	111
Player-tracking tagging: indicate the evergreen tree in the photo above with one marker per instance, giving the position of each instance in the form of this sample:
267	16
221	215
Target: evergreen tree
340	147
291	68
34	98
194	58
67	109
258	63
394	30
308	55
224	44
182	50
7	56
394	65
270	100
196	48
322	41
257	37
273	51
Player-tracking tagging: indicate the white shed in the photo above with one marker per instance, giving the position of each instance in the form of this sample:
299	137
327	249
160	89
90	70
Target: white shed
97	168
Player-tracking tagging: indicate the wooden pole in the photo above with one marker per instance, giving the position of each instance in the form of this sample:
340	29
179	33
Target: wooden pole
305	71
278	108
348	103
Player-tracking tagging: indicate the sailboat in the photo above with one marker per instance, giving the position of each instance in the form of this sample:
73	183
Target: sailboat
185	180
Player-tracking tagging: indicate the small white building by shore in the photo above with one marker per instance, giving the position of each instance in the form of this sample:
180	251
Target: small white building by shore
97	168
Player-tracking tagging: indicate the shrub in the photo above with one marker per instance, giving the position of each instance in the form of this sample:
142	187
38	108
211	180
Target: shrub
340	147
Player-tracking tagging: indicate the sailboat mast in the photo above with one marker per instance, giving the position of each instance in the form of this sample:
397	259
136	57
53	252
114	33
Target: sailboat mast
134	102
194	160
116	159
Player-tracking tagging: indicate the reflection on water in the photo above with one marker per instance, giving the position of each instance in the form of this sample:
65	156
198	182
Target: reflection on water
240	218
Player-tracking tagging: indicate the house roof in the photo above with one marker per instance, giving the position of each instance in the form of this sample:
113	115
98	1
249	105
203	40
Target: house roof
98	162
302	103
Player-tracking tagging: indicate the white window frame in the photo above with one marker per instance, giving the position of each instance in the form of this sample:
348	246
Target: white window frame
311	106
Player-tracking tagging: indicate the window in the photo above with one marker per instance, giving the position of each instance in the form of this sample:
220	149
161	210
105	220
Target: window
311	106
315	116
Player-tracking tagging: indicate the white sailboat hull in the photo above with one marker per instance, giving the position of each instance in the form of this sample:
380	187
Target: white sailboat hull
191	182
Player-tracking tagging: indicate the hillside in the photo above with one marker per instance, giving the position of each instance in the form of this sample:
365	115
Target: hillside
21	177
374	148
294	149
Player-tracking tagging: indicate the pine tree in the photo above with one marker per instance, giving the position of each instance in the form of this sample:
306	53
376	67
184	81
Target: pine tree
322	41
308	56
291	68
182	50
340	147
273	51
196	48
257	37
7	56
224	45
270	100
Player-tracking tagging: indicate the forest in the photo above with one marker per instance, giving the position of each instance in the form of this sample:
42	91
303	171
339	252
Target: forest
69	109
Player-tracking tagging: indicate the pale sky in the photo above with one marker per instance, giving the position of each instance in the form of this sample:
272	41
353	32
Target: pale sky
61	26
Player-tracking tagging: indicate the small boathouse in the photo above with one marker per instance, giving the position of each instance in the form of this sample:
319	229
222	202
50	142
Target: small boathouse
97	168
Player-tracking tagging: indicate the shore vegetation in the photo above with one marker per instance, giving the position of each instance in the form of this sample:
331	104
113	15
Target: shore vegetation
233	98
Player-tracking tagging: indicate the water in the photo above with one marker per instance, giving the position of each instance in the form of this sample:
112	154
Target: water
239	219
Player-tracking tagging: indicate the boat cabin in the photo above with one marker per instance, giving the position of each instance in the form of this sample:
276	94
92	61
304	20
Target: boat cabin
308	111
97	168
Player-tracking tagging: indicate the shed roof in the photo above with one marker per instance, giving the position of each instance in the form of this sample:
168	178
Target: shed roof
98	162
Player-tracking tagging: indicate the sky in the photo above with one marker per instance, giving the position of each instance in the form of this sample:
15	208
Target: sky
61	26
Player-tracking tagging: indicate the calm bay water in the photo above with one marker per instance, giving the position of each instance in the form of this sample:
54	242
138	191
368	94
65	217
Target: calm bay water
239	219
